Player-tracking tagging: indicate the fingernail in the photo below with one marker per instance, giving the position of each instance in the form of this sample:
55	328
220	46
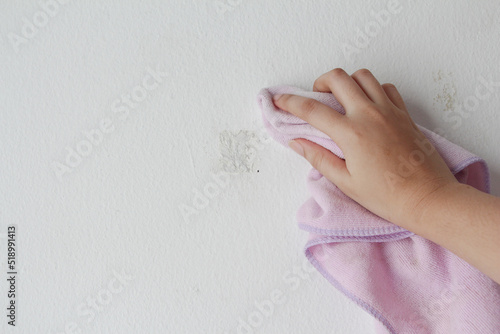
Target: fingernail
296	147
276	97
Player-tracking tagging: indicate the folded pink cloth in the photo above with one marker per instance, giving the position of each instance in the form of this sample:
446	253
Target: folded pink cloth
408	283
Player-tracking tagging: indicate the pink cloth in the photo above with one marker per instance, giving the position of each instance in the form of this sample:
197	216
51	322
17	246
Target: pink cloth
410	284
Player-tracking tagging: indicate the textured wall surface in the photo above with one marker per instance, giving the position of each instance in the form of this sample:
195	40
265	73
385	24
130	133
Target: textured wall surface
134	165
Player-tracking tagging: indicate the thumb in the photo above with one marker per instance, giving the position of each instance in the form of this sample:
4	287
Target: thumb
327	163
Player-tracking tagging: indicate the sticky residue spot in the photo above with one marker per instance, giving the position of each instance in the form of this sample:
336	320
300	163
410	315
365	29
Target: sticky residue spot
239	149
447	95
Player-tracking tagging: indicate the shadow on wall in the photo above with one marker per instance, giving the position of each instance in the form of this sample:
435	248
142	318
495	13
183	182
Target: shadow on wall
495	182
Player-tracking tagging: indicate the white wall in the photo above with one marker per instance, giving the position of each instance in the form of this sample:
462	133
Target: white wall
117	211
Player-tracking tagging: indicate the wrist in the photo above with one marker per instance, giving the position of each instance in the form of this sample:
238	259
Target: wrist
426	202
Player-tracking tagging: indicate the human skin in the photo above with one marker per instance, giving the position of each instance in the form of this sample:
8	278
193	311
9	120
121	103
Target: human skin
374	134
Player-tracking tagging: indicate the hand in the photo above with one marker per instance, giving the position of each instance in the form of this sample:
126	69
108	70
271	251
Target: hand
378	139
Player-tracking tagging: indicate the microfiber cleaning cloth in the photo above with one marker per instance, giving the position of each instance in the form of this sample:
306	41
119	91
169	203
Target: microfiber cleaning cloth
408	283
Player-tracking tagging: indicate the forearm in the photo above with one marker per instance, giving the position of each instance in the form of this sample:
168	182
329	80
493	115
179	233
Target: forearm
467	222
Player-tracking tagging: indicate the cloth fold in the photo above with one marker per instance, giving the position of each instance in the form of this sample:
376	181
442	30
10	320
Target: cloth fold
408	283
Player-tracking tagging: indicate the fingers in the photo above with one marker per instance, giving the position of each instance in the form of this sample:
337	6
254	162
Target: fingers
343	87
370	85
313	112
327	163
395	97
392	93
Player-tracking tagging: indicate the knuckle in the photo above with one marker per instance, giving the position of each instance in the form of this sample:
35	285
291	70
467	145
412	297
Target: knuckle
336	72
308	106
284	99
376	116
318	161
362	73
330	77
373	111
388	86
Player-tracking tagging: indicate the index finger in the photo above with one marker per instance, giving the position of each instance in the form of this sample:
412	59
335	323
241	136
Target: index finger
319	115
344	88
